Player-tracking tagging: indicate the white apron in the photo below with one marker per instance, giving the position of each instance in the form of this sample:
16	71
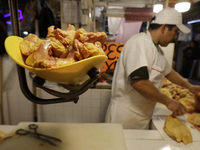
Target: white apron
127	106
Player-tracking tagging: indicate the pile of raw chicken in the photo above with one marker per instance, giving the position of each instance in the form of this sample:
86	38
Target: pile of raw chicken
173	127
61	47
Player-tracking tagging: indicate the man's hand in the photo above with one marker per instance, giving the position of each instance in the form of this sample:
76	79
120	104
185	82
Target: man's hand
176	107
195	89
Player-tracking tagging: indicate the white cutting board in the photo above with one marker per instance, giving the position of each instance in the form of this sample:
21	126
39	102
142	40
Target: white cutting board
97	136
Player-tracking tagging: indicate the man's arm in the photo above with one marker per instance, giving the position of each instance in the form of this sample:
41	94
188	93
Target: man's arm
148	90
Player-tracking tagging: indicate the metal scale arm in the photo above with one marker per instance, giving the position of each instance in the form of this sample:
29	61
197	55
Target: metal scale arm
74	91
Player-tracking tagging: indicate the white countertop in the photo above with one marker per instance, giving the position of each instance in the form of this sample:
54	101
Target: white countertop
158	139
151	139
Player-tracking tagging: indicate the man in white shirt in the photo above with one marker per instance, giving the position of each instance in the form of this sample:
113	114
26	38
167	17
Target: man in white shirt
139	71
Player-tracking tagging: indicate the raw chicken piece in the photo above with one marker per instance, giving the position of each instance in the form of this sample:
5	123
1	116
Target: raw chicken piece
99	46
68	60
86	50
1	135
43	56
166	92
194	119
64	36
189	103
177	130
176	92
90	37
58	48
62	40
29	44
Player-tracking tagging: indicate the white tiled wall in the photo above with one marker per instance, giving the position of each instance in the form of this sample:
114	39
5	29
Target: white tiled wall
90	108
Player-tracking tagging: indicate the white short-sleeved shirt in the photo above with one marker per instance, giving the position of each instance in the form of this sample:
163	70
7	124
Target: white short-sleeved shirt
127	106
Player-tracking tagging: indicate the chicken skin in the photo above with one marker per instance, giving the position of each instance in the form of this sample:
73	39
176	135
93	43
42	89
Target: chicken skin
177	130
194	119
90	37
85	50
29	44
62	40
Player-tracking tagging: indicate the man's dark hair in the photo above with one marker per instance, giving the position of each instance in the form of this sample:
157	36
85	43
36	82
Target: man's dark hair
156	26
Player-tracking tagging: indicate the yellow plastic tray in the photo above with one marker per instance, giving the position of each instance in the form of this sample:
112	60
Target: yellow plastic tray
74	73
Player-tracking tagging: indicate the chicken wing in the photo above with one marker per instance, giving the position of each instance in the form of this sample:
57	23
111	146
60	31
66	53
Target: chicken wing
85	50
62	40
64	36
90	37
29	44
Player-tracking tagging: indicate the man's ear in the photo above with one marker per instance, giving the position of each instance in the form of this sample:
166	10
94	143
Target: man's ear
163	28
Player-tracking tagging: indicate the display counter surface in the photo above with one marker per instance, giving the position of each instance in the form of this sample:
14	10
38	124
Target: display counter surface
155	139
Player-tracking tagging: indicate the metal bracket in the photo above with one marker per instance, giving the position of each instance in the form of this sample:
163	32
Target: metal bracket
74	90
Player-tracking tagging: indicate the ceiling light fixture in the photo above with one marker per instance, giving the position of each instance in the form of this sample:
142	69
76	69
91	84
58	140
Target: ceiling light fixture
157	8
182	6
